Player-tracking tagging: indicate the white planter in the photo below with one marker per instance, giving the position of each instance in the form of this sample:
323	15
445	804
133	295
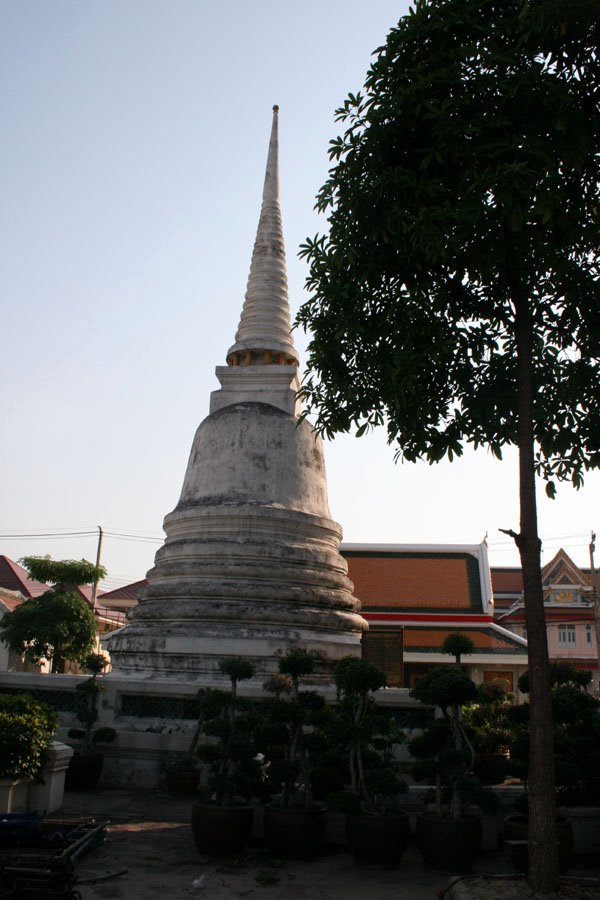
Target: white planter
13	795
19	795
46	797
586	828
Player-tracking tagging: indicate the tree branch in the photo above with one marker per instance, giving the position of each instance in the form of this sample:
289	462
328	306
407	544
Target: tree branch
513	534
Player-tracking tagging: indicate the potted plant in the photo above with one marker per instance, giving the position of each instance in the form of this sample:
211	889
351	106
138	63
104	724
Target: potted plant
376	831
290	734
227	722
181	774
448	837
576	717
86	764
27	727
182	771
577	749
488	725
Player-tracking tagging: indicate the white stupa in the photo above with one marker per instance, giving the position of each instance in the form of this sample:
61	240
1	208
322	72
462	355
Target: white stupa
250	565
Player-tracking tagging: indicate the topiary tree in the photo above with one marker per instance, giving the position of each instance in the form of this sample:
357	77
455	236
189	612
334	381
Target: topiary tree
59	624
367	738
443	749
229	721
87	708
290	728
575	733
488	725
458	644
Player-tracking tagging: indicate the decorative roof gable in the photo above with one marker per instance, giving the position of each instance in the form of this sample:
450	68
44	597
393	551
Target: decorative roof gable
562	570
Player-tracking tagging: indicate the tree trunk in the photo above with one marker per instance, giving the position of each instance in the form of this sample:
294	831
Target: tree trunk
543	858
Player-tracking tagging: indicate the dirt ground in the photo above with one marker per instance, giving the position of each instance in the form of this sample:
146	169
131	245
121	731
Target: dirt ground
150	853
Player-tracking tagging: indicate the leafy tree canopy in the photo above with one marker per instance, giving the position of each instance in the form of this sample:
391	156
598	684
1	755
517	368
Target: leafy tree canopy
357	676
62	572
457	645
57	624
467	182
444	686
296	663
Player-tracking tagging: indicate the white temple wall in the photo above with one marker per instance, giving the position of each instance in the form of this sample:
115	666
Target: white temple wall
154	720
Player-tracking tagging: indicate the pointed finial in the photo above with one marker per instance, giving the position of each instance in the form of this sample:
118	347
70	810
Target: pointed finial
264	332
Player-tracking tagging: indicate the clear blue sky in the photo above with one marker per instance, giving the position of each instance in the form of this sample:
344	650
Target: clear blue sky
134	142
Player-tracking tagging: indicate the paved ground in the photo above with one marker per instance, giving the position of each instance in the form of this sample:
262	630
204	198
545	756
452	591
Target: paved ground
150	854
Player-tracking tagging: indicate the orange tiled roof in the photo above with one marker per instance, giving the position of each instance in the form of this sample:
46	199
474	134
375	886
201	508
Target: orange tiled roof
507	581
415	581
430	640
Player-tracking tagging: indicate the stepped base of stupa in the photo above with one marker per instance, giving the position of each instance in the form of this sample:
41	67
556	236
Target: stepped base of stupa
250	566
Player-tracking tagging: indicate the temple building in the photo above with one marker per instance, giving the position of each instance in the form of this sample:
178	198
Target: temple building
413	596
569	607
250	565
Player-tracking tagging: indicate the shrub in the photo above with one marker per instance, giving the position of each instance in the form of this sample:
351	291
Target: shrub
27	727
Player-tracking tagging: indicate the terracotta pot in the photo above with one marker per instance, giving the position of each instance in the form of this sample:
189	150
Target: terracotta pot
585	822
83	773
182	782
377	840
515	829
491	768
221	830
294	831
449	844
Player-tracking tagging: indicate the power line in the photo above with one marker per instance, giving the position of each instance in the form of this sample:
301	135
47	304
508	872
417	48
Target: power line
17	536
46	535
136	538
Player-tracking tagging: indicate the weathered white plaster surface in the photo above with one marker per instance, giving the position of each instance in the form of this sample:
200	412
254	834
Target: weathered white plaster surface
275	385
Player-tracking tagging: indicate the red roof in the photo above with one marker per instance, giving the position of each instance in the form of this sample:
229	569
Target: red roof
127	592
86	591
15	578
7	602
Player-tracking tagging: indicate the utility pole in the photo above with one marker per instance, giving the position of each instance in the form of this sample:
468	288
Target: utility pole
95	585
595	594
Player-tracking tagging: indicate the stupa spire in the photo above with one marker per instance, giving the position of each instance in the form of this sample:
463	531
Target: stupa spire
264	333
